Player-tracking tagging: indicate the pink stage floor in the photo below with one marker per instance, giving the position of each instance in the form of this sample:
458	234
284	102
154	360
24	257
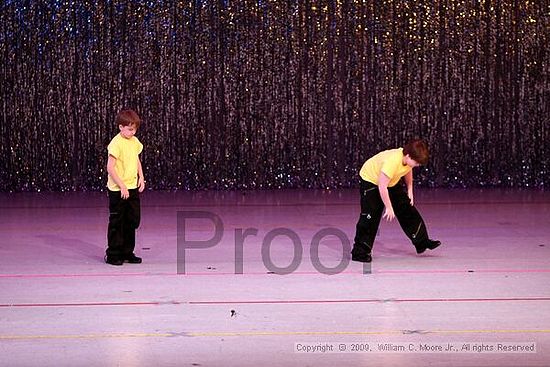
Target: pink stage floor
481	299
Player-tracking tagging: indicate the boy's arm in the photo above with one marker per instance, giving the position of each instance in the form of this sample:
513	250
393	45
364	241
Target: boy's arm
141	179
383	182
409	182
111	161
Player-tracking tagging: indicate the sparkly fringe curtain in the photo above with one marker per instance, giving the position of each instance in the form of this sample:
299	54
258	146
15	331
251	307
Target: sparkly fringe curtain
270	94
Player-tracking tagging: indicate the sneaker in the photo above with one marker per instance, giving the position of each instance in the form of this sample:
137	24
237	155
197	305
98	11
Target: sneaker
132	259
113	261
428	245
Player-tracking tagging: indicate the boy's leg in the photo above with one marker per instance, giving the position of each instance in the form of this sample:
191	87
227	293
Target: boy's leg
115	240
410	220
132	217
369	220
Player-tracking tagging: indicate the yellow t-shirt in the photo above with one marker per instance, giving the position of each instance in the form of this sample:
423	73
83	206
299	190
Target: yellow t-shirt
390	162
126	152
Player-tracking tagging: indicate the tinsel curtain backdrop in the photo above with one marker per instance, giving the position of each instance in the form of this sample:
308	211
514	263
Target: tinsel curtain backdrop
274	94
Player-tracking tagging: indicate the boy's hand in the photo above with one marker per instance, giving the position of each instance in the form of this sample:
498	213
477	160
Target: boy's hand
411	196
124	193
141	184
389	214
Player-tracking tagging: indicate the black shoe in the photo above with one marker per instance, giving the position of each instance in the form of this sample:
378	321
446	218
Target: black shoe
433	244
132	259
428	245
420	249
113	261
361	252
364	258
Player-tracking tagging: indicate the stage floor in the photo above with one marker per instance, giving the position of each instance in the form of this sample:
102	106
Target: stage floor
276	286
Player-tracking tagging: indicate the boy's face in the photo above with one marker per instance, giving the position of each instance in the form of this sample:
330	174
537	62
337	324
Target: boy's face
127	131
408	161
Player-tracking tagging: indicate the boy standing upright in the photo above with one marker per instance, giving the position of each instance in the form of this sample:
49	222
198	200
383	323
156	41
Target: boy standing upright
124	184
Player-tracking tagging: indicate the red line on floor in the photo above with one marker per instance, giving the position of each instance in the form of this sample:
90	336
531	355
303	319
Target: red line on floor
372	300
84	304
214	273
420	271
274	302
80	275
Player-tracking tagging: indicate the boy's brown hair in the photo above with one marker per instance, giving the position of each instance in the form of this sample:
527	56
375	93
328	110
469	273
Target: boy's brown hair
128	117
418	150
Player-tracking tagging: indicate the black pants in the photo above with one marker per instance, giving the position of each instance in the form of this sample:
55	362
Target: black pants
372	209
124	218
